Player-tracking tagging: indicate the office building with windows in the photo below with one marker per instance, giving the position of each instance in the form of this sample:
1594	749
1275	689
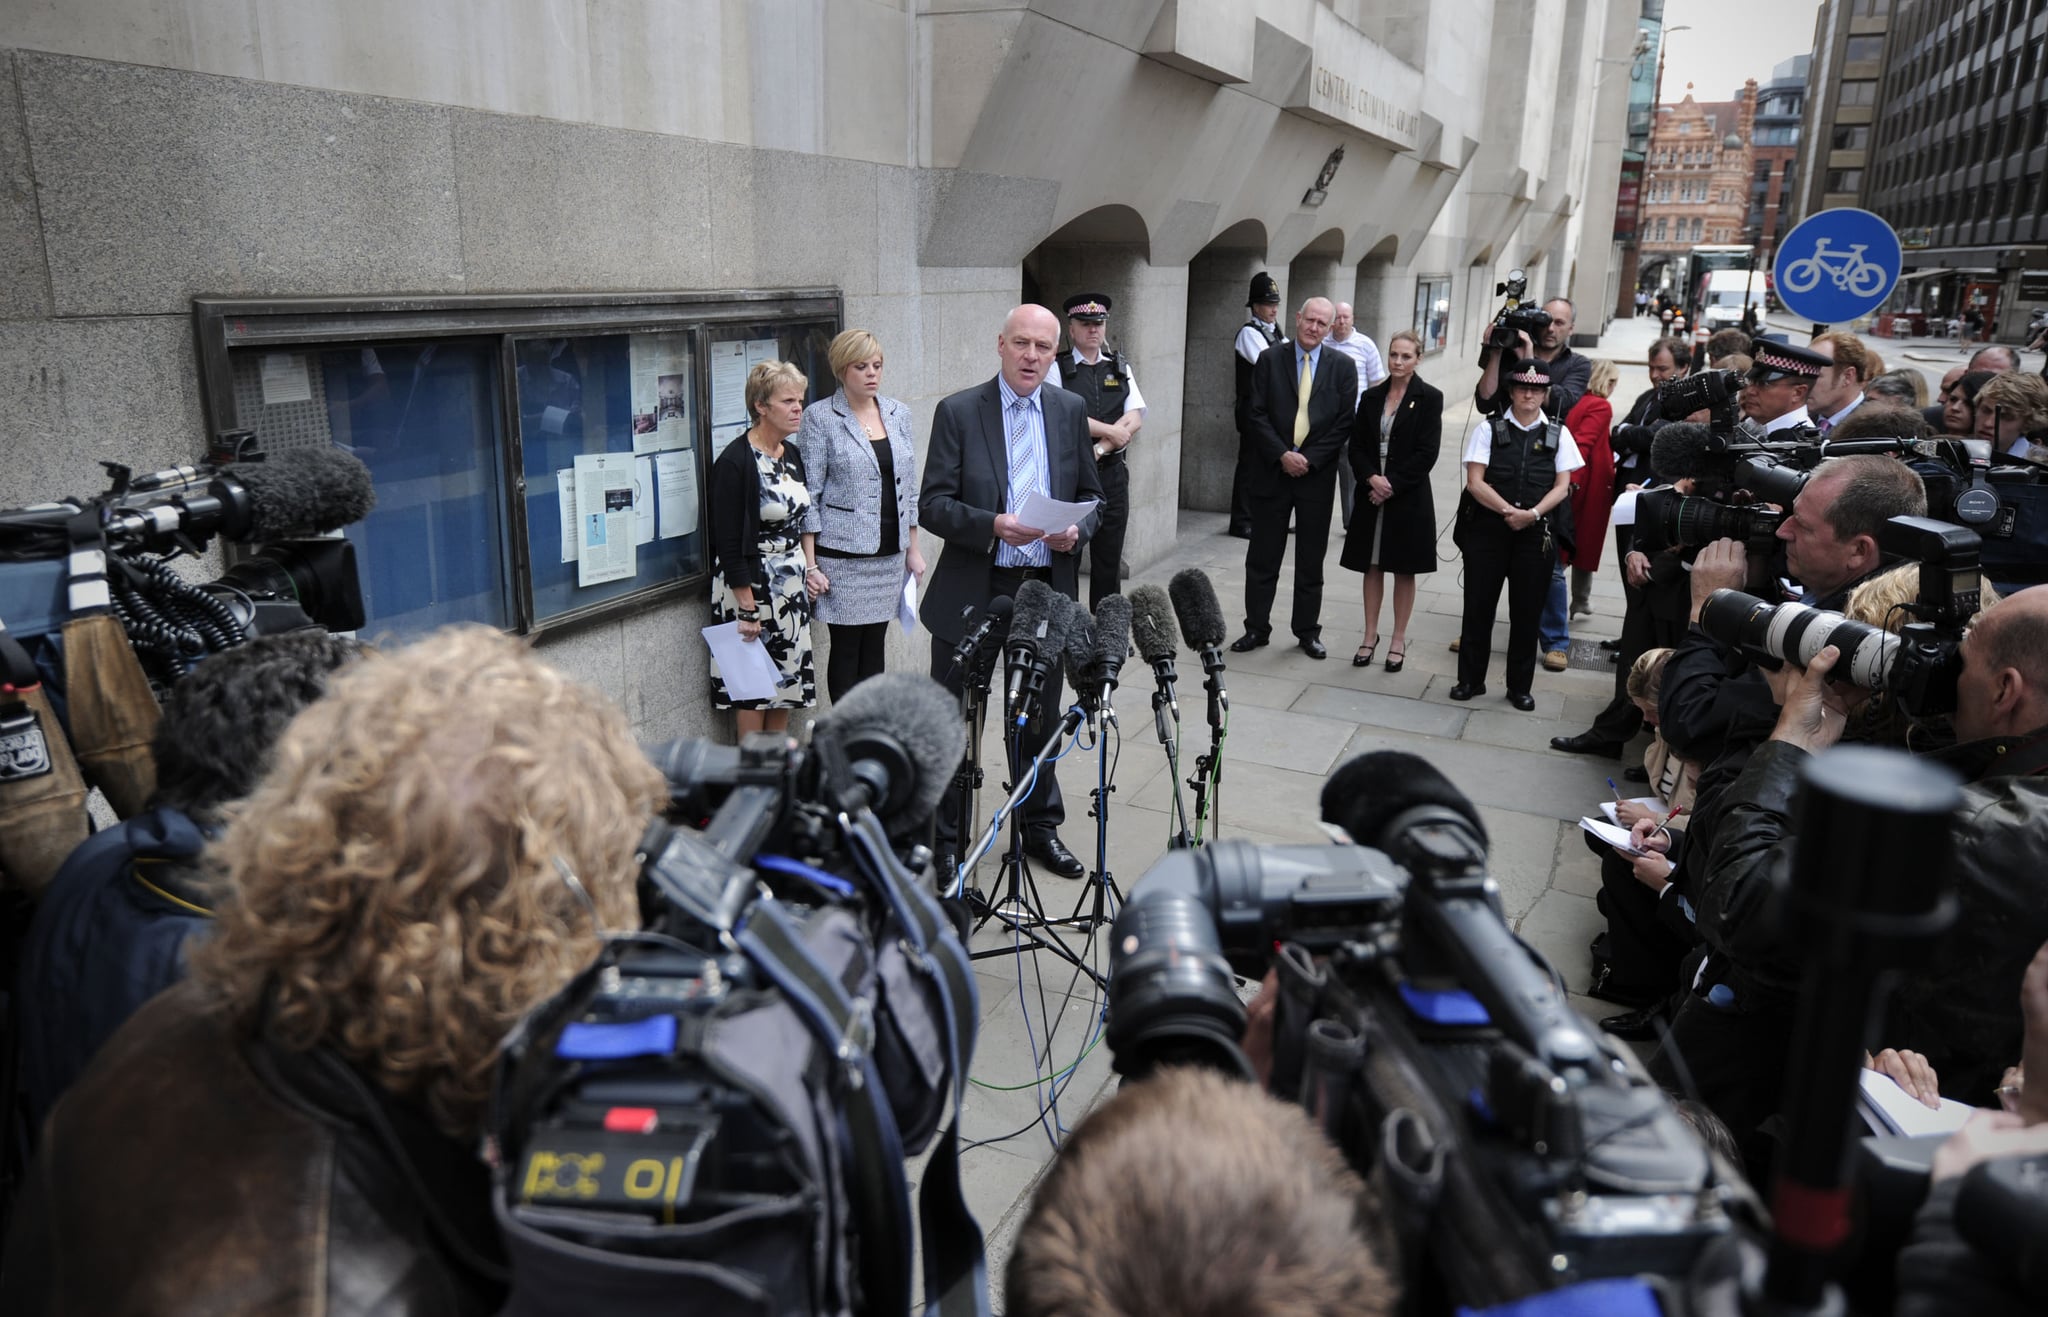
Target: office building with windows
1958	155
1841	102
1774	156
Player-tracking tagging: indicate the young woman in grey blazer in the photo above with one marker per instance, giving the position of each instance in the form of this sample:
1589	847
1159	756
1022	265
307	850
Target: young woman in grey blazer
861	465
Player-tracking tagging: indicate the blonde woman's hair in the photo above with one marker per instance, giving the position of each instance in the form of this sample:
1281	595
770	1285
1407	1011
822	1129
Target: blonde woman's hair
852	345
765	379
2017	394
1646	676
1411	336
393	887
1604	377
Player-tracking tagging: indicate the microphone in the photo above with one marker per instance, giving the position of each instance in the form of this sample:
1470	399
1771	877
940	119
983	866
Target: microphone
1683	450
1153	631
968	652
295	494
902	738
1201	625
1368	795
1077	653
1112	645
1037	629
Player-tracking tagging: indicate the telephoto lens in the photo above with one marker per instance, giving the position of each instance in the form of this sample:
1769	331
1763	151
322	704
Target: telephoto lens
1794	633
1666	519
1172	996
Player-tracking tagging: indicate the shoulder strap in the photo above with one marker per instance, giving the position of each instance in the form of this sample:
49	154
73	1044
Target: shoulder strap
1067	364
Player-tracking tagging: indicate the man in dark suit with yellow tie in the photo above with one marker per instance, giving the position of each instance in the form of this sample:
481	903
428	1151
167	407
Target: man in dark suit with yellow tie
1304	403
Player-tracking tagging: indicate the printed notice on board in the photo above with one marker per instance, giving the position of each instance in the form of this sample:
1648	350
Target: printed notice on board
565	505
286	379
604	517
643	499
762	349
675	493
661	391
728	384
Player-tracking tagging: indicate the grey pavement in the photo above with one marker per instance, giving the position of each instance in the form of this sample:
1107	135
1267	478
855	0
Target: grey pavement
1292	720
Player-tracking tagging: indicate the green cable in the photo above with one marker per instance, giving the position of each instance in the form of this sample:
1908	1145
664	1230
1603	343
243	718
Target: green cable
1043	1079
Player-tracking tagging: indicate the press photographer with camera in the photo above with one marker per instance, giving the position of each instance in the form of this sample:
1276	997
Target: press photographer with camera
437	846
1521	332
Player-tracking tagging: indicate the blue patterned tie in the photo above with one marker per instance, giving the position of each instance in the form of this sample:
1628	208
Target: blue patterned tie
1022	485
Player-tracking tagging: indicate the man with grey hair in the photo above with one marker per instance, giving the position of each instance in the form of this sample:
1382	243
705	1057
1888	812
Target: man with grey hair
1365	354
1304	403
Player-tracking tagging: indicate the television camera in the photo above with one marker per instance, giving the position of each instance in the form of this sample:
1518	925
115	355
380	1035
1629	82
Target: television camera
1515	317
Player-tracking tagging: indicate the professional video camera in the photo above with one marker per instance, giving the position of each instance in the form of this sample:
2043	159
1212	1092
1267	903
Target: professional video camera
719	1109
1917	667
1515	318
279	501
1520	1148
1711	391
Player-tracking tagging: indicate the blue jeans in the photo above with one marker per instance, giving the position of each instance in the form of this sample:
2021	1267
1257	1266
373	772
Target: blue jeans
1553	631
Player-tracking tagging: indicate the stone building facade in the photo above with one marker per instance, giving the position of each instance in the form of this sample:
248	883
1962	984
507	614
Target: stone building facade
1697	183
924	163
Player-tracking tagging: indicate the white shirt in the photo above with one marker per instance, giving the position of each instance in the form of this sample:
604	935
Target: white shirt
1797	416
1479	447
1250	343
2020	447
1134	401
1843	414
1361	350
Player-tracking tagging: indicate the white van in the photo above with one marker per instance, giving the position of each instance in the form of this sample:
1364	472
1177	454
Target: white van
1728	291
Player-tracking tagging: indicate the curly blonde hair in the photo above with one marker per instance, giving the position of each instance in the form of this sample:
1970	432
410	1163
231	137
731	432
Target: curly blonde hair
392	887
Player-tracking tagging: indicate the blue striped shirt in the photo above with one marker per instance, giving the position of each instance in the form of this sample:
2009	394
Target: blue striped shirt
1032	439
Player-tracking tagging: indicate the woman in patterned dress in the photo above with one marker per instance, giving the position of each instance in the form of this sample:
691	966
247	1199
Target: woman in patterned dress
758	547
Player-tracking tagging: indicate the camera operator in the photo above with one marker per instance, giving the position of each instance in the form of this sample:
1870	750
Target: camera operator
111	930
1960	1010
436	847
1569	372
1191	1192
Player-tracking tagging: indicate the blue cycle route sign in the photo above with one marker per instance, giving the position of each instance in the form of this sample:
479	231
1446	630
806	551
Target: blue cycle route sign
1837	265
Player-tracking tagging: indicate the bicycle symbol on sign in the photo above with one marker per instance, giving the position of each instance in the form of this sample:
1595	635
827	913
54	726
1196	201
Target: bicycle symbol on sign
1848	269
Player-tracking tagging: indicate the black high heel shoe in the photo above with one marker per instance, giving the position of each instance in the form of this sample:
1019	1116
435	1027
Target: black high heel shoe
1395	660
1363	658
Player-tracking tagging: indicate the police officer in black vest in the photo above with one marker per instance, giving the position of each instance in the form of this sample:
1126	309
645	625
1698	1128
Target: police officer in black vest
1115	411
1261	330
1518	467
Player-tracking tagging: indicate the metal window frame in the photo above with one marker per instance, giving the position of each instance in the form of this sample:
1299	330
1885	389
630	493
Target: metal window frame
223	325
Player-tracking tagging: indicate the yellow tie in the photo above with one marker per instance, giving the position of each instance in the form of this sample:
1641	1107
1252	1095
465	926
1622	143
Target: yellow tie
1301	410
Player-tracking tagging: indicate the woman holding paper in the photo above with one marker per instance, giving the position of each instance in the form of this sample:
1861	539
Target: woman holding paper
759	545
862	475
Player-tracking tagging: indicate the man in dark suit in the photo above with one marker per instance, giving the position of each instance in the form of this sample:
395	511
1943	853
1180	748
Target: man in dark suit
1300	440
991	446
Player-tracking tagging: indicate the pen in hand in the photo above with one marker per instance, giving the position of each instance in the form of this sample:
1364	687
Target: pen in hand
1615	789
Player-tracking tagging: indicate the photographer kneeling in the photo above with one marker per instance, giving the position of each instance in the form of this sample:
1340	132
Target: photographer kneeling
435	849
1960	1011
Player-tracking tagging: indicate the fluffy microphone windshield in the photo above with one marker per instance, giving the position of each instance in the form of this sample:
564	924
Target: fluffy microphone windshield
1038	604
1077	648
1194	602
1366	794
304	491
1152	624
1112	636
920	716
1682	451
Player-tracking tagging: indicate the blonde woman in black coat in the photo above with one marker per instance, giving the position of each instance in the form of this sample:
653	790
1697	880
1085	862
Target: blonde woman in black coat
1393	447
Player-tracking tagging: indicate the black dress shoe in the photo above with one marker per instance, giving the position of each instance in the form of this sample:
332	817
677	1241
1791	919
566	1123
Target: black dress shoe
1463	692
1313	647
1610	645
1522	700
1605	988
1585	743
1248	642
1239	532
1635	773
945	870
1639	1026
1051	852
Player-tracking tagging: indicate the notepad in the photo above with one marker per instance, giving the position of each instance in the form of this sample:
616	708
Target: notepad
1889	1109
1613	834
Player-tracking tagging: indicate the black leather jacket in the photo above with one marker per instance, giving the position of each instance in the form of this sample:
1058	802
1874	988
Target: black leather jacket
192	1171
1962	1009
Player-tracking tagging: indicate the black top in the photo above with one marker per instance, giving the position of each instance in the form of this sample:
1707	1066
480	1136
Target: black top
736	511
892	529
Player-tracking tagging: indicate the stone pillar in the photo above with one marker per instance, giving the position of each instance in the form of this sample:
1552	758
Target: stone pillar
1314	275
1217	281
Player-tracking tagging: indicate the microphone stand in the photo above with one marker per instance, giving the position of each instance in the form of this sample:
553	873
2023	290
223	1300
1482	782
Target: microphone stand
1101	882
1019	908
978	666
1207	781
1166	725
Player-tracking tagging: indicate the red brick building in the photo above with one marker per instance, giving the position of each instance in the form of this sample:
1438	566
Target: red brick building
1696	182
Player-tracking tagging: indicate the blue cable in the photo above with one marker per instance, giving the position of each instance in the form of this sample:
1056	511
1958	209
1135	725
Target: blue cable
798	869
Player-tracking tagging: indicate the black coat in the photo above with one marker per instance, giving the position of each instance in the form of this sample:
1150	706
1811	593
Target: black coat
1332	410
1408	540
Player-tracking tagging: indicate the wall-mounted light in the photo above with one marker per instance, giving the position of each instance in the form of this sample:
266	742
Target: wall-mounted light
1316	195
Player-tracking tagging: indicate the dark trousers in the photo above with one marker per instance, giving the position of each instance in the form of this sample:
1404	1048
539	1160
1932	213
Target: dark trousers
1736	1059
1309	500
1645	953
857	653
1520	560
1106	545
1641	630
1241	483
1044	809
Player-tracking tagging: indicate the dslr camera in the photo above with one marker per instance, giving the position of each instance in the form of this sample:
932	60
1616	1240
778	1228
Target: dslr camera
1515	317
1917	667
1517	1148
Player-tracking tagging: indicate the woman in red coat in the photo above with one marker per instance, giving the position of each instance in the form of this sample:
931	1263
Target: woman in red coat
1592	484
